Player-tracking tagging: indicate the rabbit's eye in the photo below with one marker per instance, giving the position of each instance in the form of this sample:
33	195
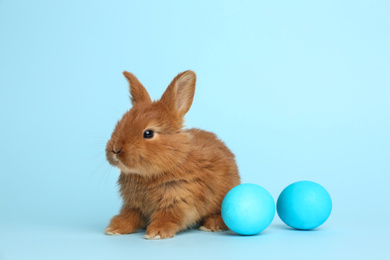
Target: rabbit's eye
148	134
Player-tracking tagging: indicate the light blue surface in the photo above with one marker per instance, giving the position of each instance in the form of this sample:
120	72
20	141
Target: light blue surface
299	90
248	209
304	205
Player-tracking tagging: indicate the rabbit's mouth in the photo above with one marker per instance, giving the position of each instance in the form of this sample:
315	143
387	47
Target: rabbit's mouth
124	168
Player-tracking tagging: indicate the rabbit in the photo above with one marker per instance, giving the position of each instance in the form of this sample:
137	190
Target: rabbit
171	178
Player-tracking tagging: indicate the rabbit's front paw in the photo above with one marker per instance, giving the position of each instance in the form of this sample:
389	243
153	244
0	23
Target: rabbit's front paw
128	221
115	229
161	232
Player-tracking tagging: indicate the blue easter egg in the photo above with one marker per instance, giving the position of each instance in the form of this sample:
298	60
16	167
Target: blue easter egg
304	205
248	209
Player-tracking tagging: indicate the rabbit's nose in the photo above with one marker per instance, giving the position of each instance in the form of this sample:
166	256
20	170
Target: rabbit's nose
116	151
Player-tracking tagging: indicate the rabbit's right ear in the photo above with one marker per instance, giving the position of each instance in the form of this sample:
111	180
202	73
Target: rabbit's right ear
137	90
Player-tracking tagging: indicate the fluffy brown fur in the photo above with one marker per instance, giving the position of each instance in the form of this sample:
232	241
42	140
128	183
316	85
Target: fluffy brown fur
175	179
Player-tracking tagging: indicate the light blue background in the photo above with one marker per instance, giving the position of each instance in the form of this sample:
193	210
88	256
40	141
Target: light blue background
299	90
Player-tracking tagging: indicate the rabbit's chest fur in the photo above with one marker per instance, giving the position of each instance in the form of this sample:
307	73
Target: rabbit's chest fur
148	194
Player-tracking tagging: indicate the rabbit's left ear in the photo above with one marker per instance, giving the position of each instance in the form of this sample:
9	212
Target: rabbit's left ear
137	90
180	93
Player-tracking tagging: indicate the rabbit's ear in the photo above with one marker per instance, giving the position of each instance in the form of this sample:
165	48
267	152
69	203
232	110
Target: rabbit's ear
180	93
137	91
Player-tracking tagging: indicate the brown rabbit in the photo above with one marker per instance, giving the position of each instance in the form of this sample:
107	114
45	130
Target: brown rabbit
171	178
